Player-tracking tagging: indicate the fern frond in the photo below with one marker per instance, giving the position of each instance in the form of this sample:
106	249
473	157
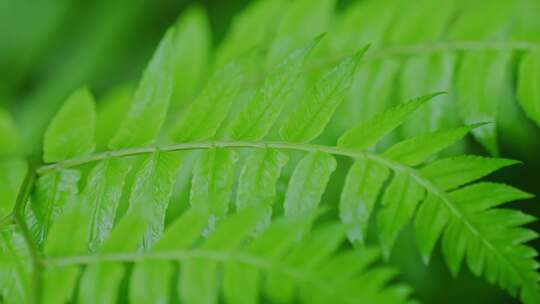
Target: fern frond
213	103
213	178
480	40
106	209
312	115
480	37
465	230
274	257
262	111
151	99
257	180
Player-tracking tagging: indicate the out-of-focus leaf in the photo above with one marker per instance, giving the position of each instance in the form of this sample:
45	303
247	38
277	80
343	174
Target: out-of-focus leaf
529	85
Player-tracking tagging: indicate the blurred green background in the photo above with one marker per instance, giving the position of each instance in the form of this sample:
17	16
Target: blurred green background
49	48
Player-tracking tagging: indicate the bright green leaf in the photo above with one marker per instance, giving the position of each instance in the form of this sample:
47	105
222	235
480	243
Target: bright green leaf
71	132
205	115
150	279
198	278
258	178
101	280
371	131
151	192
262	111
312	115
213	178
102	195
360	192
151	100
68	236
54	192
308	183
398	207
416	150
452	172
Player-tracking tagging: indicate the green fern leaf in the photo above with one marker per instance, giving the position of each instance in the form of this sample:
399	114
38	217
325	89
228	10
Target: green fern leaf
198	283
102	196
15	270
312	115
150	279
71	132
416	150
64	138
54	192
151	100
370	132
256	184
121	220
452	172
263	109
111	110
307	184
60	282
398	206
242	283
203	118
150	202
360	192
100	281
316	248
498	262
431	213
15	267
11	178
372	85
213	178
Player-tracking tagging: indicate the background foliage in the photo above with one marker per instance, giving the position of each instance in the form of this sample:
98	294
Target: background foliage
483	53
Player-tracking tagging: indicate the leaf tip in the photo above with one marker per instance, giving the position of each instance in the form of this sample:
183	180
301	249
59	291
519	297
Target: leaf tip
434	94
440	93
362	51
318	38
356	57
479	124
